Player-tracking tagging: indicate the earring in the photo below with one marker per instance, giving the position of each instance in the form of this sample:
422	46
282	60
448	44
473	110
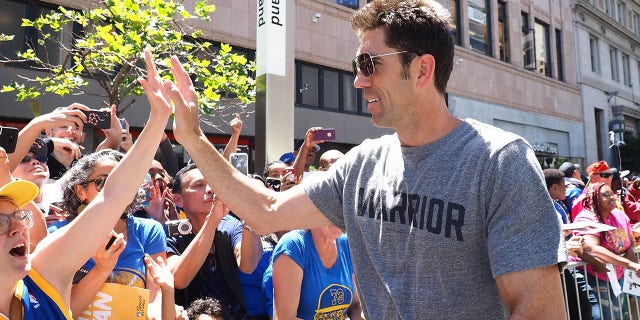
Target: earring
81	208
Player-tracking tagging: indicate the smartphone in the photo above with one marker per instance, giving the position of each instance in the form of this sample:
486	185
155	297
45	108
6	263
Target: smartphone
327	134
273	183
110	242
98	119
289	173
8	138
240	161
123	123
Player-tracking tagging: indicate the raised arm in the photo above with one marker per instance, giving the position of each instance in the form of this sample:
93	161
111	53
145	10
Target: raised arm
263	209
113	134
533	294
232	145
87	232
185	266
69	116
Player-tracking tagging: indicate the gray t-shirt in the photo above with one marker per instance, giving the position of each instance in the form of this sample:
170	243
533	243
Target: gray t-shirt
430	227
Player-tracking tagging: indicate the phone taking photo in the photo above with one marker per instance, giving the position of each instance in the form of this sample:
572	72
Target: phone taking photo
8	138
325	134
98	119
110	242
123	123
240	161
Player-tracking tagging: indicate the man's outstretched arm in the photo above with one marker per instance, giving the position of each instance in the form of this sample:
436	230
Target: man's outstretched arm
262	209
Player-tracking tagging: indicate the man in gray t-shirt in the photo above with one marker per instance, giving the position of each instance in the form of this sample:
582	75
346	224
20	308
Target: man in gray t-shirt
447	219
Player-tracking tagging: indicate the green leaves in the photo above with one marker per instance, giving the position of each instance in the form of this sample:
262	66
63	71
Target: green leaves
108	51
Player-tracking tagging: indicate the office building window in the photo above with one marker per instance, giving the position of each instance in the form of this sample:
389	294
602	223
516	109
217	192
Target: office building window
479	21
11	16
622	13
613	57
595	54
353	4
626	70
528	43
635	23
308	88
503	31
559	60
542	48
329	89
454	8
609	8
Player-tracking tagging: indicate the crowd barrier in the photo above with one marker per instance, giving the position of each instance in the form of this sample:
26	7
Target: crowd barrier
628	304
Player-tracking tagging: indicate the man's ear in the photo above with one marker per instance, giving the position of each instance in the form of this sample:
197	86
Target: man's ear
426	69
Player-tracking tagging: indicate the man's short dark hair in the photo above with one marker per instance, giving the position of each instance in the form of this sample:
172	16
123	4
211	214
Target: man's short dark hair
416	26
208	306
553	176
176	184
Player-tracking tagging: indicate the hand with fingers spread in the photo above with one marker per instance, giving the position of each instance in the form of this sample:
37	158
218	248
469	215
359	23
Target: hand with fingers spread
157	202
154	89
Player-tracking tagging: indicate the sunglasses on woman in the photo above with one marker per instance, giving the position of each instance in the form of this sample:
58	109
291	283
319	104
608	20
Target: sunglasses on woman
28	158
98	181
20	215
364	62
605	175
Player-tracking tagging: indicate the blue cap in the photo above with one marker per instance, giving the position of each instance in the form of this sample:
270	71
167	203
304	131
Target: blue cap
287	157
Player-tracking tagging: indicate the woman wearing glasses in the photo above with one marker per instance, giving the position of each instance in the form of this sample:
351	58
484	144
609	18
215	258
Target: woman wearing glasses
614	246
121	262
38	285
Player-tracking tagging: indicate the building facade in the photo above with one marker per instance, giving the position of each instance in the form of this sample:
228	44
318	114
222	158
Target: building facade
515	67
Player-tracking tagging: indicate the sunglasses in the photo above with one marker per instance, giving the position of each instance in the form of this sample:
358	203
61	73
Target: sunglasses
28	158
20	215
605	175
98	181
364	62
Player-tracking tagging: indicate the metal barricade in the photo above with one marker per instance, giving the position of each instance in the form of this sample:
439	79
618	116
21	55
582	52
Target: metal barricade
628	305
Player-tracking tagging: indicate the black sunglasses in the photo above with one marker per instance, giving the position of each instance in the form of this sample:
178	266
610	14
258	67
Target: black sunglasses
28	158
364	62
98	181
605	175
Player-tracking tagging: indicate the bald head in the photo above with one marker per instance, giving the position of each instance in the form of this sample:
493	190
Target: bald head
328	158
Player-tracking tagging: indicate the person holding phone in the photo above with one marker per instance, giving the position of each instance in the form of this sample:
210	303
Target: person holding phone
37	285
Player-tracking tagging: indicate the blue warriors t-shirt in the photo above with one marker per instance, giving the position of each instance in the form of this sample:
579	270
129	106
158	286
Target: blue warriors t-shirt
325	293
40	300
144	236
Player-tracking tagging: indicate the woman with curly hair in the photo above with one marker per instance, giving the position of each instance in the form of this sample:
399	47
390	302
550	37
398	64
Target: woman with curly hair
614	246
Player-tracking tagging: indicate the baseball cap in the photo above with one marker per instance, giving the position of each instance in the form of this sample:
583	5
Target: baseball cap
20	192
568	168
600	167
287	157
40	150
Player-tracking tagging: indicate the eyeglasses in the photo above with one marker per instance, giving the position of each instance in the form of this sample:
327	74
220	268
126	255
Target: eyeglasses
605	175
28	158
98	181
20	215
364	62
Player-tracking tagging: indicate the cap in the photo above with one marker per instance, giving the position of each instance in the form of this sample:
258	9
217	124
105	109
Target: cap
568	168
40	150
287	157
599	167
20	192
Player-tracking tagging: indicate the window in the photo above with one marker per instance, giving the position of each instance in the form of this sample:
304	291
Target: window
353	4
10	16
479	26
542	48
635	23
328	89
528	43
622	13
626	70
503	32
613	56
595	56
559	60
609	9
454	8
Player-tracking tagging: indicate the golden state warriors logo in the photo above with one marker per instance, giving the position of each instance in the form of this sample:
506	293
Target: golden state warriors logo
333	302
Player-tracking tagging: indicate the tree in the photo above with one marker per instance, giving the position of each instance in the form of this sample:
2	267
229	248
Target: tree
109	48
